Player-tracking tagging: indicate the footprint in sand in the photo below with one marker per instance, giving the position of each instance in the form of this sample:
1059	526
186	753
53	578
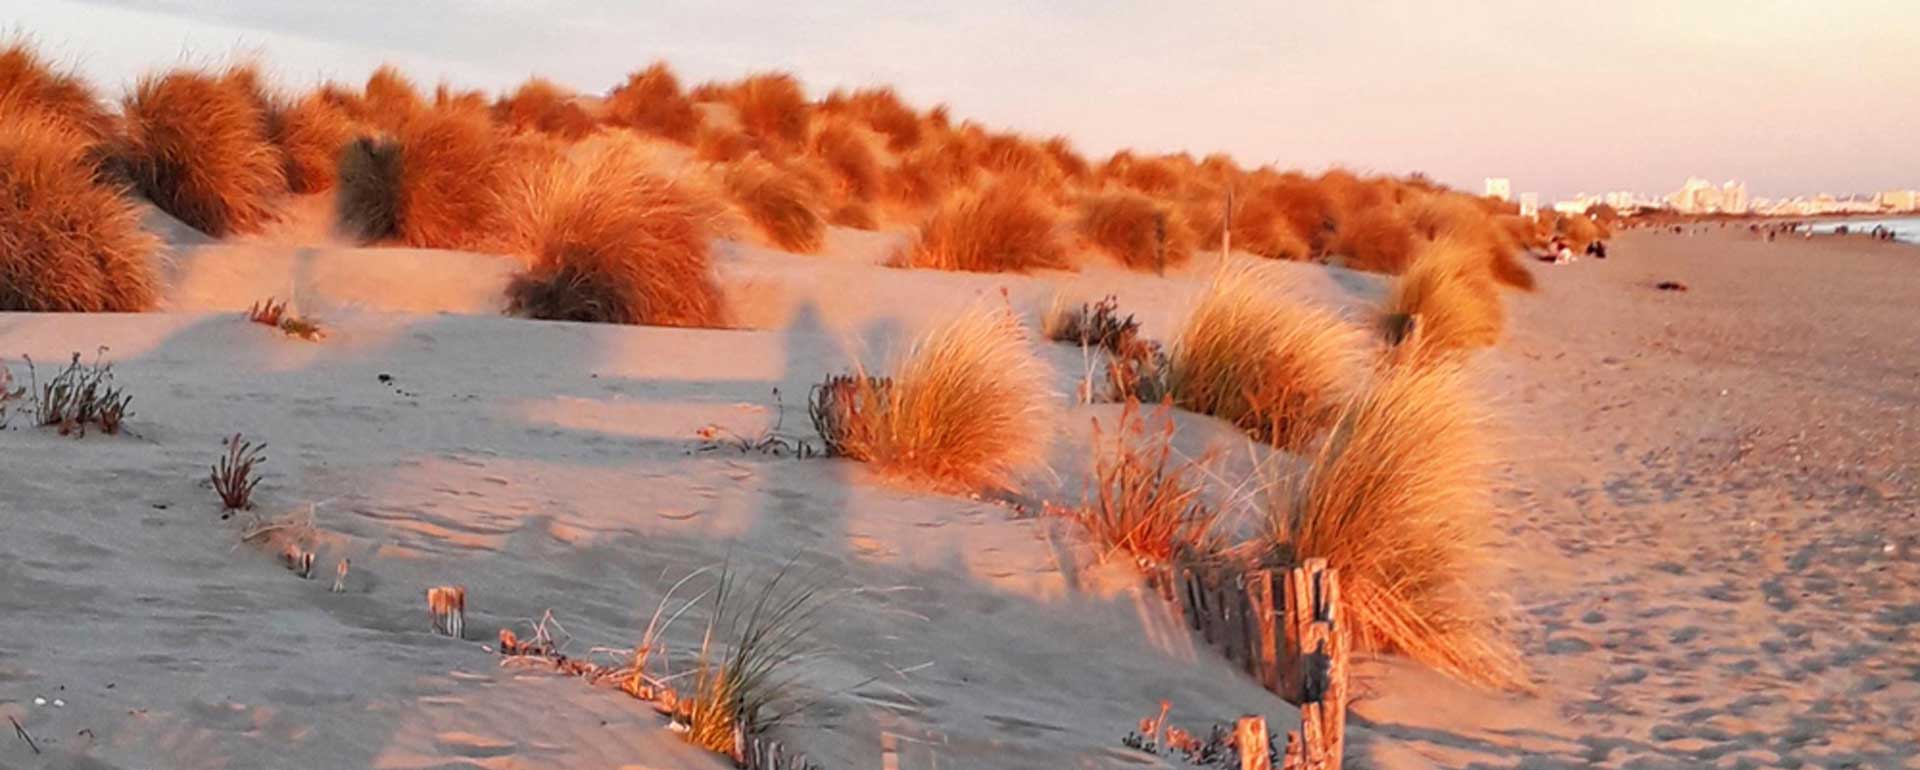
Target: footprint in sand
474	746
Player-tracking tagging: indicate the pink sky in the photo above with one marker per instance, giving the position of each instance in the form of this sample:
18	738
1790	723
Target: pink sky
1563	97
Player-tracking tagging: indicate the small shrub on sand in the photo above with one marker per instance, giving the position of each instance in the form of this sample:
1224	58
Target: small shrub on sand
744	677
435	184
611	242
966	408
80	395
1274	367
651	102
773	108
1374	238
274	314
1449	295
233	476
1096	324
1396	498
1001	228
539	105
67	242
28	83
1139	502
1139	231
780	202
311	134
197	145
846	152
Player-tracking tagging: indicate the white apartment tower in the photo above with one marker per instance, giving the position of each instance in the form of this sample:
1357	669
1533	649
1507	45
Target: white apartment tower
1499	188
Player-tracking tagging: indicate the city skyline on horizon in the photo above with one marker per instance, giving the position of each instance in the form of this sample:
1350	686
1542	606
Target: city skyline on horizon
1652	94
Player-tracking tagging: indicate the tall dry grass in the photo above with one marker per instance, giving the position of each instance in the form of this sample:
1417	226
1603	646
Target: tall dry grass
1373	237
197	145
610	241
745	676
1258	227
1448	294
389	99
780	201
1471	227
884	112
1004	227
1138	230
845	150
773	109
29	83
1141	500
435	183
68	243
311	134
1397	499
539	105
1272	366
651	101
966	409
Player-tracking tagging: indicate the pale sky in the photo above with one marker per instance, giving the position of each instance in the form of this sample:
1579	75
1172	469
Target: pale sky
1563	97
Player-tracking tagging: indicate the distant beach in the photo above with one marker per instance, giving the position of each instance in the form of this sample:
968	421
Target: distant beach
1905	229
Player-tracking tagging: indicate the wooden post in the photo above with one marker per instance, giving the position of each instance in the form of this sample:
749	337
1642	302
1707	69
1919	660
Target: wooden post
1160	243
1266	642
340	576
1226	226
447	610
1250	740
1189	590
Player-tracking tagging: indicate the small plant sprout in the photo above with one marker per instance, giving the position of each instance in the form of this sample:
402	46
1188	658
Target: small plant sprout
79	395
274	314
234	476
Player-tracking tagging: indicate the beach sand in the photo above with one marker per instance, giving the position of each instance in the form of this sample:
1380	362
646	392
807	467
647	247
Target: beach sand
1709	503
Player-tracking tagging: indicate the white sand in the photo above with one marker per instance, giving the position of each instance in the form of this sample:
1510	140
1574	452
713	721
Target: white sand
1686	604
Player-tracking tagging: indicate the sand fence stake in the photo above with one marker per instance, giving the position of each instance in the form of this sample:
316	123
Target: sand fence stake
1315	666
1263	658
340	576
447	610
1250	739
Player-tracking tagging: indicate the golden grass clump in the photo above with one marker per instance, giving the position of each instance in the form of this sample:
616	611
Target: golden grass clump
1140	231
1004	227
651	101
772	108
67	242
435	183
1375	238
779	200
539	105
1306	209
883	111
721	145
1260	228
846	152
855	214
744	677
1448	295
1140	502
311	134
1070	162
1396	498
1467	224
28	83
966	408
197	145
389	98
609	241
926	176
1273	367
1160	177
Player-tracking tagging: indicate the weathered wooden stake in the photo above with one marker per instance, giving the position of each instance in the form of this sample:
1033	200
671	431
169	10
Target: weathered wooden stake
340	576
1250	739
1266	642
447	610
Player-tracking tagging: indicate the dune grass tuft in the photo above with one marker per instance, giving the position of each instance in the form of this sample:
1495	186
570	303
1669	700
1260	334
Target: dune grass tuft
846	152
67	242
745	676
651	102
966	408
1274	367
28	83
773	109
389	99
780	201
1396	498
311	135
1140	501
1449	295
197	145
1004	227
435	184
1138	230
1373	237
609	241
539	105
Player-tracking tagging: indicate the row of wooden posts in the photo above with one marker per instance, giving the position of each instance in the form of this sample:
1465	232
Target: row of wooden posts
1291	641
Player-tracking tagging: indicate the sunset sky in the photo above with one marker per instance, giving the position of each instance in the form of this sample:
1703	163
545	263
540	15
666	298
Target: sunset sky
1563	97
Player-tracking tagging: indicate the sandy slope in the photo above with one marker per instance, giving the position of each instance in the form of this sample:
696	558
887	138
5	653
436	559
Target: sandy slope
1702	579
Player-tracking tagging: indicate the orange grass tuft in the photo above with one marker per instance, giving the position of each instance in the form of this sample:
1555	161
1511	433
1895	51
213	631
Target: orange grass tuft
1373	237
1448	295
884	112
389	98
1273	367
1141	503
610	242
846	152
435	184
1005	227
651	101
28	83
67	242
1397	499
773	108
311	135
1140	231
197	145
780	201
721	145
539	105
965	410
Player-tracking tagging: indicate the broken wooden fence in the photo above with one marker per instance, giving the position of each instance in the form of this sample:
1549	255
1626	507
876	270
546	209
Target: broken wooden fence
1290	640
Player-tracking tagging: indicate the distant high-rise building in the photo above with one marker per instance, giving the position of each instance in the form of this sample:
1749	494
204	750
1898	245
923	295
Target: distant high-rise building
1529	204
1733	197
1499	188
1899	200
